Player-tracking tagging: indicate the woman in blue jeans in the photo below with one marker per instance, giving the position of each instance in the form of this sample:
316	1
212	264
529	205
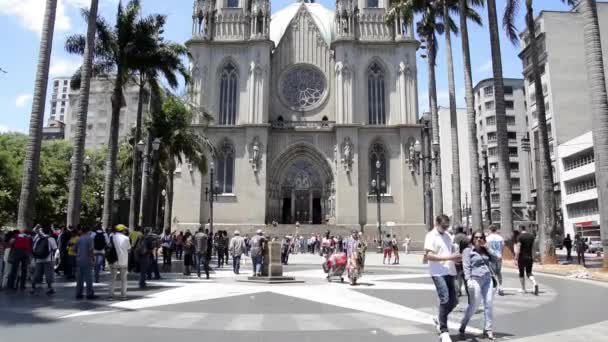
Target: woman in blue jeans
476	261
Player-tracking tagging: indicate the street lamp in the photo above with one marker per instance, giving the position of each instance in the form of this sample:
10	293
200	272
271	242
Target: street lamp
211	194
378	187
485	178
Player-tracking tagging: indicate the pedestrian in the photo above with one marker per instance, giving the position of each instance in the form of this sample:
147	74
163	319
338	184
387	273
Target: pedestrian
581	247
257	252
524	259
201	245
188	254
62	244
496	244
387	245
406	244
226	251
222	246
461	242
179	245
118	258
395	246
84	263
285	249
100	241
476	261
167	245
135	233
237	248
44	247
143	253
441	256
19	258
6	257
155	243
568	244
2	249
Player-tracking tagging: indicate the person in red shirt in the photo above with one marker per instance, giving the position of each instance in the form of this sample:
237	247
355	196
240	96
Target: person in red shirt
21	251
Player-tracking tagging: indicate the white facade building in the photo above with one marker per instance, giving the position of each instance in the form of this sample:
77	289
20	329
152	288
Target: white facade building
100	113
305	103
579	200
60	104
446	159
519	151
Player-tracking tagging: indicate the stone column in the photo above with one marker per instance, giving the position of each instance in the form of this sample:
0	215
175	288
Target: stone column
293	205
310	207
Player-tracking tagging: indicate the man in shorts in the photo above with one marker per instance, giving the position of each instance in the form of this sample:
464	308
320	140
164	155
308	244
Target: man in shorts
524	259
387	245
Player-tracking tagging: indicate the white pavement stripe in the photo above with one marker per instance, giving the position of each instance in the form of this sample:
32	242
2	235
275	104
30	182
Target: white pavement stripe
592	332
315	322
245	322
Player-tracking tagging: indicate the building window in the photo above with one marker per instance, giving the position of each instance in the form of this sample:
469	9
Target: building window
61	118
509	105
516	198
62	110
228	94
491	137
65	89
232	3
514	167
492	151
56	84
512	151
495	198
375	95
508	90
53	111
510	120
532	97
489	105
372	3
515	183
585	208
545	91
65	82
491	121
488	91
581	184
378	153
225	167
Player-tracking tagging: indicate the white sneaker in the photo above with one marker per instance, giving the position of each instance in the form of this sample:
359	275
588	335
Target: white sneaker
521	291
445	337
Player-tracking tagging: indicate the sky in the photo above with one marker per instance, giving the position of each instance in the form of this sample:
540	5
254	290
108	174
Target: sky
21	23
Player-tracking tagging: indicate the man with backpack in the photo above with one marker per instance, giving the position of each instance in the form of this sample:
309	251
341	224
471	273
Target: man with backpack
21	251
100	242
117	254
44	255
143	253
201	244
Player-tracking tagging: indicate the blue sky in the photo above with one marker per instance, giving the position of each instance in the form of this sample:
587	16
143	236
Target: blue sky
21	21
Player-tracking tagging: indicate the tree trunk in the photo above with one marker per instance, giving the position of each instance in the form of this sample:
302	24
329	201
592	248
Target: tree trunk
134	203
547	220
76	178
599	110
437	189
469	97
31	163
169	199
145	182
110	168
456	203
504	172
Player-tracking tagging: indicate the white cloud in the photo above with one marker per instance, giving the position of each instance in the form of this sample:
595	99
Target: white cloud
61	67
31	12
485	67
6	129
22	100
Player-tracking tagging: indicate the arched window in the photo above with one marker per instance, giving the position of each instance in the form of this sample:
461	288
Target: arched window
375	95
225	167
377	154
228	94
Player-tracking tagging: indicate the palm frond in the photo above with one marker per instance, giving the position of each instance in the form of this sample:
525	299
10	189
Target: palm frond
508	20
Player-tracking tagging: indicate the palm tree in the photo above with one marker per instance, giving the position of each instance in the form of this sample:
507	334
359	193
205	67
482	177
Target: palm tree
117	54
599	108
76	175
31	164
469	97
453	6
548	220
160	58
504	172
180	142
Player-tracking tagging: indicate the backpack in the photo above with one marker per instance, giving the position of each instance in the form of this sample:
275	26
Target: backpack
41	250
141	247
111	254
99	243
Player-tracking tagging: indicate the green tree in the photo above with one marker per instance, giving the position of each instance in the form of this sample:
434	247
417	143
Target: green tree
117	53
11	164
32	151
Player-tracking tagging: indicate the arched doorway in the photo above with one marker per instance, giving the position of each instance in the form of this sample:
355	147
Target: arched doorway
300	187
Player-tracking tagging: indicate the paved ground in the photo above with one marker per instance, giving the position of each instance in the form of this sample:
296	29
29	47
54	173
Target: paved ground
393	303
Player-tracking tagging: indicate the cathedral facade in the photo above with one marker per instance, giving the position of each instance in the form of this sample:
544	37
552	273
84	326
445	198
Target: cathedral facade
314	110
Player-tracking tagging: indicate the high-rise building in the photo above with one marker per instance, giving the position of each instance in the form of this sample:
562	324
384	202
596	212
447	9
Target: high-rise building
446	160
59	99
54	131
100	112
559	37
579	200
519	156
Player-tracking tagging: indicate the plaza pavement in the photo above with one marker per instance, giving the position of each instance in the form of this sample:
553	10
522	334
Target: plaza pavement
392	303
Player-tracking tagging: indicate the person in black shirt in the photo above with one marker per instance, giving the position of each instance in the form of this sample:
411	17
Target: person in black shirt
568	244
524	259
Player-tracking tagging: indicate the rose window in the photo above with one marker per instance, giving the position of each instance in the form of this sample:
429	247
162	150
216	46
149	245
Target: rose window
303	87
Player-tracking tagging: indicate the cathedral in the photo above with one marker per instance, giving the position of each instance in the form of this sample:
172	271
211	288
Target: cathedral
315	111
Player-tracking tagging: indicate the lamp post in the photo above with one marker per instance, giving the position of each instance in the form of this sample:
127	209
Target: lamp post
485	177
149	153
378	187
422	151
466	210
211	194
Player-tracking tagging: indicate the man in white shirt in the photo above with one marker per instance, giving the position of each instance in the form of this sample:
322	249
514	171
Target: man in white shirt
497	243
441	256
120	242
